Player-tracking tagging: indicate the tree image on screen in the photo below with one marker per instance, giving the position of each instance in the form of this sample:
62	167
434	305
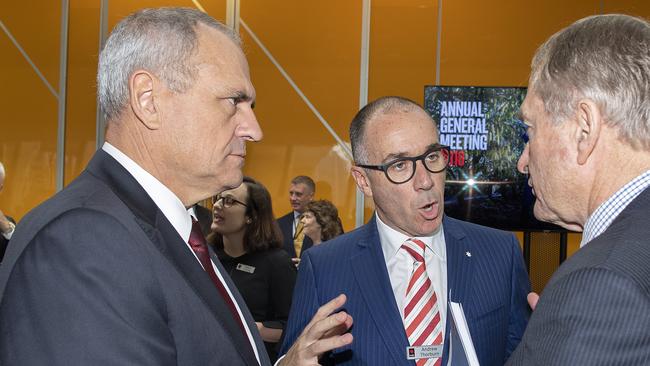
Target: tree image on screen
482	128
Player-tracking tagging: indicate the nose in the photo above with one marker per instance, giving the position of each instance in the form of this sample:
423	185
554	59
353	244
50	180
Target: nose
522	164
217	205
422	178
249	129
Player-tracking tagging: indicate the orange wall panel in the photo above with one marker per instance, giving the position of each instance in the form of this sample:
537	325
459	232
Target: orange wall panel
322	57
83	52
29	108
491	44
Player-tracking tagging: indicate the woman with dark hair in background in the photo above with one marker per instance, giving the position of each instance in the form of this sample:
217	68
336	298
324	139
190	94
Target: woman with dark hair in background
247	241
321	221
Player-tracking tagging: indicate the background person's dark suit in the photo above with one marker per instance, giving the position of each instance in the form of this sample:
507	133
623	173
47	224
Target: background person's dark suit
109	281
286	224
595	310
3	241
492	286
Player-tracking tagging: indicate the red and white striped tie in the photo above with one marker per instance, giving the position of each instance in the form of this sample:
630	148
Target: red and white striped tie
421	314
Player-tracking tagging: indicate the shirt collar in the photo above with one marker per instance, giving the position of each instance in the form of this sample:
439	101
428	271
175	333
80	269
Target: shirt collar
392	240
168	203
605	214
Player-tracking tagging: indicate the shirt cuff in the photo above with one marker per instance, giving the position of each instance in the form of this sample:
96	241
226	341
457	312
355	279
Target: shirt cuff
10	233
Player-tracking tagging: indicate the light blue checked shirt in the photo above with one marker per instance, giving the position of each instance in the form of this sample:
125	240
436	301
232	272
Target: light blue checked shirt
600	220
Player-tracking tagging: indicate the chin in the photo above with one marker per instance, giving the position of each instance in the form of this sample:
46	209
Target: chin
430	227
232	181
542	213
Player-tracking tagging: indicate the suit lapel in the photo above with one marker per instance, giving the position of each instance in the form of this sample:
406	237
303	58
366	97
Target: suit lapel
285	223
460	271
369	268
459	265
170	244
175	250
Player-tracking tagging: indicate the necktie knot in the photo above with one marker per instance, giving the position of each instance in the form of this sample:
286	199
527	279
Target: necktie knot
197	240
415	248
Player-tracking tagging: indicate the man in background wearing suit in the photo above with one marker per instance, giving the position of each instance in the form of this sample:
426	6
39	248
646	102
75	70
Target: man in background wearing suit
402	268
295	242
7	224
588	161
113	270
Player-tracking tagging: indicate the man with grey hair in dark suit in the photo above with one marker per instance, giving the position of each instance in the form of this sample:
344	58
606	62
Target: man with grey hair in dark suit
588	161
114	269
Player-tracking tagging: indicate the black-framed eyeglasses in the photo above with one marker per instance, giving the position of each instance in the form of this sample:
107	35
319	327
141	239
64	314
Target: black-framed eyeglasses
401	170
228	201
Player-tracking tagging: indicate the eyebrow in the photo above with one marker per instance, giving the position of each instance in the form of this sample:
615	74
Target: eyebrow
395	156
241	95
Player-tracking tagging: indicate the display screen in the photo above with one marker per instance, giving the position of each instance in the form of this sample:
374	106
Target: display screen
482	128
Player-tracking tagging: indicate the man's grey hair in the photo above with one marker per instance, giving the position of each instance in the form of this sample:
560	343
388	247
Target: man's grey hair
381	106
307	181
605	58
161	41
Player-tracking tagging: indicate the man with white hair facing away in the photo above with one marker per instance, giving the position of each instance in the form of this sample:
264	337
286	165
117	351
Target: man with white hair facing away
588	161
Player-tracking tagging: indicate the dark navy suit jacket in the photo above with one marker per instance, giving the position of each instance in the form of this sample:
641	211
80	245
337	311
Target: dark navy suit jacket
286	226
97	276
491	284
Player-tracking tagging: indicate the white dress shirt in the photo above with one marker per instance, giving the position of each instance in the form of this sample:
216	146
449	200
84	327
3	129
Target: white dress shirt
400	265
174	210
605	214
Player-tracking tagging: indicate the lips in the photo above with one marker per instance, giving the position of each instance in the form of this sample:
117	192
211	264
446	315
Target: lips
217	218
429	211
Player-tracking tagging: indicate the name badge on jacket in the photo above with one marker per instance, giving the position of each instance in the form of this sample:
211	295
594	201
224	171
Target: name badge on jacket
245	268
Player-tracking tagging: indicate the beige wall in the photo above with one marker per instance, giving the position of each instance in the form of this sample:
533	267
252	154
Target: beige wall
317	43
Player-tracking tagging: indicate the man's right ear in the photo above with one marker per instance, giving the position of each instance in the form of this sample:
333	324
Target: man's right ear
143	99
360	177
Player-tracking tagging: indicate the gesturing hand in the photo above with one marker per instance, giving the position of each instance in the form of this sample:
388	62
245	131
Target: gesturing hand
325	332
532	300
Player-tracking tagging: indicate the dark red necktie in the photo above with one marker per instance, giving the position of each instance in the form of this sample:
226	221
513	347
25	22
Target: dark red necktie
199	246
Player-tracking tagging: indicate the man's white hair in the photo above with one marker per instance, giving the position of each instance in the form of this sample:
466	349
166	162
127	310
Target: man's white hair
605	58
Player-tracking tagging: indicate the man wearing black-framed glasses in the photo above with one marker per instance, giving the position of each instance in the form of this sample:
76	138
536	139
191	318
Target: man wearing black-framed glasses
402	268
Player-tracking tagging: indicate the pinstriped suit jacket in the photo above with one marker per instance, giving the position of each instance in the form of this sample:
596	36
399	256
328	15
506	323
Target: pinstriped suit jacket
595	310
492	285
